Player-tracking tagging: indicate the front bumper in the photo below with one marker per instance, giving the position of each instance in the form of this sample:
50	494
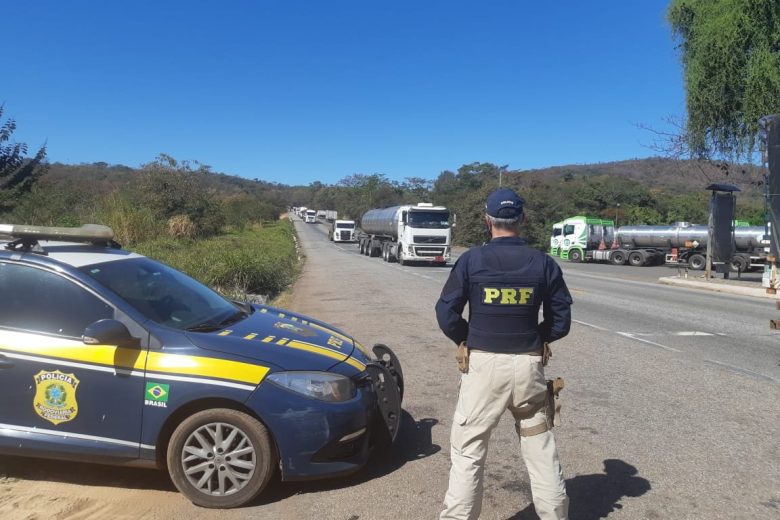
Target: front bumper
317	439
426	253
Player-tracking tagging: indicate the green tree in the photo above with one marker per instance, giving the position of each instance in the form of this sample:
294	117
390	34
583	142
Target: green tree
18	173
730	51
174	188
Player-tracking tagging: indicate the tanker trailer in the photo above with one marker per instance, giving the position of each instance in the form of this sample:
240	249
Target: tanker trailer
650	245
410	233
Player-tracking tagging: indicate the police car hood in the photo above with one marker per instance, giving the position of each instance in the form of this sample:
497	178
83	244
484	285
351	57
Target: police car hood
288	340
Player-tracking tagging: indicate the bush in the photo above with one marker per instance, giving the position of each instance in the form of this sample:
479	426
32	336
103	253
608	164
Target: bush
255	261
180	226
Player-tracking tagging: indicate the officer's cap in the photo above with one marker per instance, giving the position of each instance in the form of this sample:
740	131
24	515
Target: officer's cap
504	203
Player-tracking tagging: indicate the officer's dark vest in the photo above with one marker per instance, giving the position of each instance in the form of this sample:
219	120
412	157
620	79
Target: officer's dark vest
508	282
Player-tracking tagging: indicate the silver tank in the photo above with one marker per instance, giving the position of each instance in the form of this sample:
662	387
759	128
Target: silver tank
381	221
745	238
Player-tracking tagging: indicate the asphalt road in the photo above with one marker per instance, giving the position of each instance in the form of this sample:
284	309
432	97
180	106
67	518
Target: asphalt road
670	408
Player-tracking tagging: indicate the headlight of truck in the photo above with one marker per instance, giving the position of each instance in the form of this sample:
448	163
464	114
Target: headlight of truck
325	386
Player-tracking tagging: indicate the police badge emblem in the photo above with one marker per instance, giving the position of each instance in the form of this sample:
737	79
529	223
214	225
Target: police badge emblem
55	396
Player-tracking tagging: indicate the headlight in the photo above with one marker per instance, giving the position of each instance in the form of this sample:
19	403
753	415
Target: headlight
319	385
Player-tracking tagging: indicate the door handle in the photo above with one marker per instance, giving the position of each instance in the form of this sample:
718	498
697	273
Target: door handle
5	362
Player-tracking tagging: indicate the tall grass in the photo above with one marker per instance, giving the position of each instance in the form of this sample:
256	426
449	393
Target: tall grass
132	222
259	260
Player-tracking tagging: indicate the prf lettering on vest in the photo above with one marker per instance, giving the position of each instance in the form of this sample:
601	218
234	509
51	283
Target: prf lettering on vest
507	295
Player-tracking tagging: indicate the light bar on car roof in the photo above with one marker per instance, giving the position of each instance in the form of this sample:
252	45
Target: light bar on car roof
85	233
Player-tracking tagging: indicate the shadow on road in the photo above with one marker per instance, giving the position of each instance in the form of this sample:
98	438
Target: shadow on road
414	442
596	496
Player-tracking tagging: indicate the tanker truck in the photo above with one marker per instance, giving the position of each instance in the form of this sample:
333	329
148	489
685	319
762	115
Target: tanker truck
411	233
591	239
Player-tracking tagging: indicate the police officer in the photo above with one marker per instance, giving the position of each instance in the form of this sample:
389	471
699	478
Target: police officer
505	282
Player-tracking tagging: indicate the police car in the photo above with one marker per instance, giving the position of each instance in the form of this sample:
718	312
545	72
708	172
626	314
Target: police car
108	356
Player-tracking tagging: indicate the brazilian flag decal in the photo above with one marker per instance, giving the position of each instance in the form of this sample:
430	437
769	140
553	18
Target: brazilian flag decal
156	394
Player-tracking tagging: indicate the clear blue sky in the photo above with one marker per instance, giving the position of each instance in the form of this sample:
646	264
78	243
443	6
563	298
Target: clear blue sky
296	91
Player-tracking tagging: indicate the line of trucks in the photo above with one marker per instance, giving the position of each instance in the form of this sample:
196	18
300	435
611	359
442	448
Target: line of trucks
310	216
419	233
581	238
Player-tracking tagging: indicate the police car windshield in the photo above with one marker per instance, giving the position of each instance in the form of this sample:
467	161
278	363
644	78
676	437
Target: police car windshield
164	295
429	219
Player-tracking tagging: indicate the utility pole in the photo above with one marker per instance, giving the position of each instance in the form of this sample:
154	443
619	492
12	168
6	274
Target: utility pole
770	140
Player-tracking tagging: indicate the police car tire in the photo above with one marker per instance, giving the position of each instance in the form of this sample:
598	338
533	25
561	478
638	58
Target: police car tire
255	432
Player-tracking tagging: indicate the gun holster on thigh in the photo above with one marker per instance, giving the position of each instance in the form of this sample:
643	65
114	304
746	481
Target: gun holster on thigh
553	405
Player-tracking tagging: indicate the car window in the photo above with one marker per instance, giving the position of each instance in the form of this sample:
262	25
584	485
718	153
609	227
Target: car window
160	293
42	301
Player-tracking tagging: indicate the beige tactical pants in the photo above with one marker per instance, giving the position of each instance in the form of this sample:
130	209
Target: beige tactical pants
494	383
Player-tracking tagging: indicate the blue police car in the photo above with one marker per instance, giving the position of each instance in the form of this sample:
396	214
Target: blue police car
110	357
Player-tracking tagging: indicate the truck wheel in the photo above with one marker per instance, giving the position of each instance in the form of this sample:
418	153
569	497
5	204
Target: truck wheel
739	264
618	258
696	262
575	255
221	458
636	259
372	251
361	246
385	253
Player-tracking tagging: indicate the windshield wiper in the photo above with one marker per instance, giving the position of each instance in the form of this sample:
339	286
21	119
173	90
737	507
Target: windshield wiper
209	326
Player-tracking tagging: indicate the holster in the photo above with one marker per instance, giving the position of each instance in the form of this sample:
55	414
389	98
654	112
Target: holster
462	357
553	405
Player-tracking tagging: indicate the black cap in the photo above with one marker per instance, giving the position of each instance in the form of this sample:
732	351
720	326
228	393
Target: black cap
504	203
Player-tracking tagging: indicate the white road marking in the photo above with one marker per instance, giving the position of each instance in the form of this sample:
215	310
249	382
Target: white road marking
743	371
591	325
693	333
631	336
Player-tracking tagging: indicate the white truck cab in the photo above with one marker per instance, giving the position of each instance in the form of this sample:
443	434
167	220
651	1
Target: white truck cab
310	217
343	231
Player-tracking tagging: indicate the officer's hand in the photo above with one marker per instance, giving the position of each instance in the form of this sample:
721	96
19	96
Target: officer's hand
462	357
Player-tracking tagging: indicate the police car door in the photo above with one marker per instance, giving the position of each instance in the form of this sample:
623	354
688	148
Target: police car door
58	394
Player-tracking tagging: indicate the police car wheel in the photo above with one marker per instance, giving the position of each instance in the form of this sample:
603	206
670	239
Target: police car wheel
220	458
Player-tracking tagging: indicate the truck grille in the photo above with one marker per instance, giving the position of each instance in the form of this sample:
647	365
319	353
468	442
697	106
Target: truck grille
429	251
345	235
421	239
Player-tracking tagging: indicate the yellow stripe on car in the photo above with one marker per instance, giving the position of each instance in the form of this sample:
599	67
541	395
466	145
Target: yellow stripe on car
134	359
357	364
300	345
206	367
71	350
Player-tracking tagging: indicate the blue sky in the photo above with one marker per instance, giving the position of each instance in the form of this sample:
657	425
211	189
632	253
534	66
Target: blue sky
292	91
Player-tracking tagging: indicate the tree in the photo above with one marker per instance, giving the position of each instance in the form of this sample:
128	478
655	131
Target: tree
730	51
18	173
173	188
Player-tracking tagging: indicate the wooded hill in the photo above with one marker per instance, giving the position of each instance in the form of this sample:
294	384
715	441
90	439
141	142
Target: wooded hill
637	191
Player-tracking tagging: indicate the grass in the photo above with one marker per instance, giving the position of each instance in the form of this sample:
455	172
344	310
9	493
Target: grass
260	260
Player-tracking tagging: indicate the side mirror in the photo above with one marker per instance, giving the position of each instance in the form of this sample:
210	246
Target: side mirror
109	332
